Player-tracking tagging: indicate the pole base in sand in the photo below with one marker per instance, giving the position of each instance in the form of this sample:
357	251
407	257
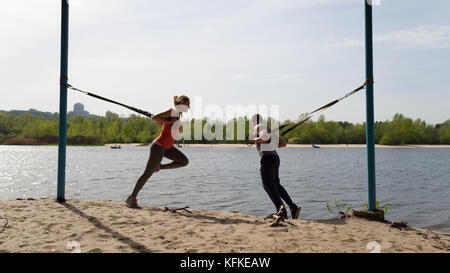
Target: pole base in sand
377	215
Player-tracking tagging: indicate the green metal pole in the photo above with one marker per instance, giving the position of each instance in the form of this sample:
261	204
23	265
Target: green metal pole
370	139
62	139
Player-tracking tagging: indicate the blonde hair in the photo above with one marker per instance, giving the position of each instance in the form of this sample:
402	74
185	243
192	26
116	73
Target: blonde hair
181	99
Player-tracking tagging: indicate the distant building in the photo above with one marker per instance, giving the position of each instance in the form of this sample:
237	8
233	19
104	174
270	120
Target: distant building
78	110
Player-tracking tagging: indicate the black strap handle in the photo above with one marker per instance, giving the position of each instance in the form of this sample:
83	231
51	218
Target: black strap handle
142	112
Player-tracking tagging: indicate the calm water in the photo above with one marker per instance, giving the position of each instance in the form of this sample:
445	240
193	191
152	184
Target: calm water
415	181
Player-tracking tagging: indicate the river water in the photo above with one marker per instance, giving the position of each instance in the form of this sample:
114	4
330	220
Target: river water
415	181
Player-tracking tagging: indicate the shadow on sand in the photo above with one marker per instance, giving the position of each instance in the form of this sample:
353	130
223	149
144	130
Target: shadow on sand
337	221
216	220
98	224
232	221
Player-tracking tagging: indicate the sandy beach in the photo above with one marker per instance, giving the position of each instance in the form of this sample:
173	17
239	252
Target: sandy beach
107	226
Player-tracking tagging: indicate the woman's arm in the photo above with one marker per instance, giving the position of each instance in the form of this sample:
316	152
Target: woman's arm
165	117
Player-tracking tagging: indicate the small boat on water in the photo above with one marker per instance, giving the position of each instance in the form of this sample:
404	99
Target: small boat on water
116	147
178	144
315	146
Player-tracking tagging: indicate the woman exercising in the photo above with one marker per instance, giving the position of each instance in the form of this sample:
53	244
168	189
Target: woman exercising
162	146
266	144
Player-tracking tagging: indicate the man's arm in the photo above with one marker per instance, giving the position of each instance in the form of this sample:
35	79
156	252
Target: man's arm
258	140
281	142
264	137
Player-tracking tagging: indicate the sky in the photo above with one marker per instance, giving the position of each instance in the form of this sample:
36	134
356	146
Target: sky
295	54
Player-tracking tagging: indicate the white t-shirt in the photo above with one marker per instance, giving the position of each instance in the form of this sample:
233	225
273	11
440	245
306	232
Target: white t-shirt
265	134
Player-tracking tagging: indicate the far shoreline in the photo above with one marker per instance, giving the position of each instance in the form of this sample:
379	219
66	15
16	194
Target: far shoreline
224	145
302	146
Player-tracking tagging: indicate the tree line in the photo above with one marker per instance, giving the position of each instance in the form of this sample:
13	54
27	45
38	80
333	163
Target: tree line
38	130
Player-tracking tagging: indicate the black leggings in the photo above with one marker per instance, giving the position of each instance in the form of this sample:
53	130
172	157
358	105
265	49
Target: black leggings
157	153
270	164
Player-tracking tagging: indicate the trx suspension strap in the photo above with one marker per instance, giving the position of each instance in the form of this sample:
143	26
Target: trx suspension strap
309	116
318	110
142	112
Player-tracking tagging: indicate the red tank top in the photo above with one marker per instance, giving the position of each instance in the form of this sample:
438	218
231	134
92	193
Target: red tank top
165	139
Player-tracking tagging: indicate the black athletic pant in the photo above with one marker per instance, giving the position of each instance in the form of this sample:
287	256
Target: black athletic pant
270	164
157	153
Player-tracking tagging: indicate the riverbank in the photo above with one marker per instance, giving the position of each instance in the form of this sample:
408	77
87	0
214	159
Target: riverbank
32	142
298	146
106	226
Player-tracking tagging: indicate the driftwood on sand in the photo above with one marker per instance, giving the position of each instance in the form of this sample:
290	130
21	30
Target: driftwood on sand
173	210
400	225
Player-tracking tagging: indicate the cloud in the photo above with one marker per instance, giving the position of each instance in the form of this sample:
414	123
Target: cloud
280	78
210	30
270	78
206	75
256	12
240	77
422	37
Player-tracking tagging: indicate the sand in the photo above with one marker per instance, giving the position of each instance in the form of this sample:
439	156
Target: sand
107	226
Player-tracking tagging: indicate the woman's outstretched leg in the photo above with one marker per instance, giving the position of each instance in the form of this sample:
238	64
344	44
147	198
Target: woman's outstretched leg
178	159
156	155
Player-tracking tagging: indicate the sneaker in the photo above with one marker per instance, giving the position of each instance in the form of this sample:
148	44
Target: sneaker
282	212
296	212
132	202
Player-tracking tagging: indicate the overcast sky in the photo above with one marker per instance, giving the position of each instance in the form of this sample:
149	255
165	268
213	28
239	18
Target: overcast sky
292	53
